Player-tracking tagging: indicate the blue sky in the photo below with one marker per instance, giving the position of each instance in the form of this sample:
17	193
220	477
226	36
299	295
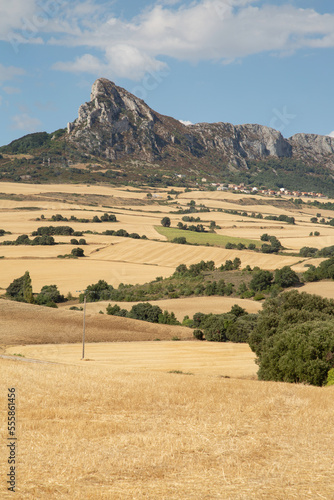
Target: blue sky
239	61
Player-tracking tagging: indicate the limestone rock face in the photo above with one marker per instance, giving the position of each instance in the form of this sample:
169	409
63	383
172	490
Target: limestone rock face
318	148
118	125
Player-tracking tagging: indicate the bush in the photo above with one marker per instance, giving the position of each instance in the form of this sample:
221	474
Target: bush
146	312
77	252
308	251
165	222
261	280
286	277
181	240
198	334
49	294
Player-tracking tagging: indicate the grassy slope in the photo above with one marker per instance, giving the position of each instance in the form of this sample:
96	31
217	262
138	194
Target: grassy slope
202	238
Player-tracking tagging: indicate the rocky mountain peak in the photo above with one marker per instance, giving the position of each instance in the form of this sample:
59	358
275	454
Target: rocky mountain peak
116	124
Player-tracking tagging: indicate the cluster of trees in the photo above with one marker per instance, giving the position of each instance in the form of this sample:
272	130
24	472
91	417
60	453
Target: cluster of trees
274	246
24	239
194	269
283	218
104	218
239	246
293	338
283	278
144	311
55	230
314	252
197	280
124	233
21	290
74	241
199	228
325	270
234	326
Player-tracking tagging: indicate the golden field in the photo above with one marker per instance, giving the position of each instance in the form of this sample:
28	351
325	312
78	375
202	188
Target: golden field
141	418
125	260
120	431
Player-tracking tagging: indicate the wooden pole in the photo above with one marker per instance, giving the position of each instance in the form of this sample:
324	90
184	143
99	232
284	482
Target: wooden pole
84	328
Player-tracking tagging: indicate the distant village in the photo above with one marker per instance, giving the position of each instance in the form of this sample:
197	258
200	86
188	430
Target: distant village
241	188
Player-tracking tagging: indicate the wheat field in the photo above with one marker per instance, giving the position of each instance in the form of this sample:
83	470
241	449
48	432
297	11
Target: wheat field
141	418
93	432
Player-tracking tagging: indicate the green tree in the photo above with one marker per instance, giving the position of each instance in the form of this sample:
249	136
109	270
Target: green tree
165	222
48	294
286	277
261	280
77	252
146	312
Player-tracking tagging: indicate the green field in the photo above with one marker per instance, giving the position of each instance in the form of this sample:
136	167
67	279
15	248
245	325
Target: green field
218	240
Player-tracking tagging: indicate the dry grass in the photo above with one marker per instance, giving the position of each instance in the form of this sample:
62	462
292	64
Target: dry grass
95	433
30	324
323	288
220	359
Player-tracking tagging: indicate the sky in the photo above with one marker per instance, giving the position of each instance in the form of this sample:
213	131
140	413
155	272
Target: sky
239	61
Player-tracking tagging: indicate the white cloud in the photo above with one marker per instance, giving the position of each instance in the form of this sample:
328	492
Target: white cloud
25	122
216	30
12	90
9	72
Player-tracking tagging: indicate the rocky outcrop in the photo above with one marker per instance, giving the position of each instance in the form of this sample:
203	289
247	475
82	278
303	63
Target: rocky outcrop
311	147
117	125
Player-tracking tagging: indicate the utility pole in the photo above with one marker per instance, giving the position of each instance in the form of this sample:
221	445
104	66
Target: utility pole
84	325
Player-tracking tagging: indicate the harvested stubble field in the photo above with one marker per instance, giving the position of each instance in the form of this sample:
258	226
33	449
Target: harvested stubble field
31	324
120	426
131	261
93	432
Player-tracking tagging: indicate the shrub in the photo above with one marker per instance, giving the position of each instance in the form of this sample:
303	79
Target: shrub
286	277
198	334
77	252
146	312
181	240
49	294
165	222
261	280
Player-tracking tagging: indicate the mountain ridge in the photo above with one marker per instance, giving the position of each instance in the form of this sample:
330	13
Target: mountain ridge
119	124
118	138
